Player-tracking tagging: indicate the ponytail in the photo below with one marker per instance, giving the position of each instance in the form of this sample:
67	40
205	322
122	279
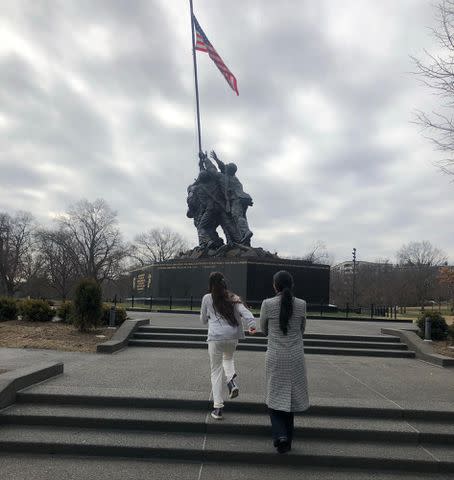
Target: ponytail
223	300
283	283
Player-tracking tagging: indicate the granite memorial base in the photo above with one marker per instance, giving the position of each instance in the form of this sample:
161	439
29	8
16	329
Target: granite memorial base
250	278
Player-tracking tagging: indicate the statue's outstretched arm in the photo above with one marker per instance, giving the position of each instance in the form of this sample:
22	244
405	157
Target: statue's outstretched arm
202	158
206	164
220	163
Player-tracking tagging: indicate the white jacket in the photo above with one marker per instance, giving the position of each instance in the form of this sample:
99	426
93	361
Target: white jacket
218	327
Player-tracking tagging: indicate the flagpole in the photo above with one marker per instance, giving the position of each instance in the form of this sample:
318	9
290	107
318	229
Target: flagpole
199	136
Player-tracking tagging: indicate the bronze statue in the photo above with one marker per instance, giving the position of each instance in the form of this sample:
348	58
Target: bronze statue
237	200
216	199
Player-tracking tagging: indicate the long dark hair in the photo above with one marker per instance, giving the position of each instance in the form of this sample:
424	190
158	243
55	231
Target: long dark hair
283	283
223	299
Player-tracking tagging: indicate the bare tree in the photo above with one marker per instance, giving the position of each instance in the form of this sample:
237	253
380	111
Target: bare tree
420	262
317	253
16	251
423	253
374	282
57	260
158	245
93	240
437	72
446	279
340	288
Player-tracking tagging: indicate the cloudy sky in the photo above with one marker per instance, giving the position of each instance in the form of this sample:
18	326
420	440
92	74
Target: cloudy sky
97	100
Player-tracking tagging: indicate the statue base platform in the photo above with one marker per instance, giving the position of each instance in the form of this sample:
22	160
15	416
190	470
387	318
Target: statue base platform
235	250
249	276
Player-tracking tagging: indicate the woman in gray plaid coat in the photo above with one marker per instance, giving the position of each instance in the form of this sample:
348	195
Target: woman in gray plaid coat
283	320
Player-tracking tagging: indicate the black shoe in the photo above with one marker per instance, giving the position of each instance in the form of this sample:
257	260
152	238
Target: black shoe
217	413
283	445
233	387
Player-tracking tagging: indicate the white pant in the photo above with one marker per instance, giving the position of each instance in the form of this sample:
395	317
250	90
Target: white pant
221	358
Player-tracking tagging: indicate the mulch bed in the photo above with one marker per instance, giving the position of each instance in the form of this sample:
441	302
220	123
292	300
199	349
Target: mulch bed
51	336
443	348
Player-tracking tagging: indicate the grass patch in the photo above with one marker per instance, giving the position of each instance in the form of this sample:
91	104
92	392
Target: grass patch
413	313
50	336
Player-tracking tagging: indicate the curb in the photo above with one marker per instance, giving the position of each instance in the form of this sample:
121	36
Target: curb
13	381
121	337
423	350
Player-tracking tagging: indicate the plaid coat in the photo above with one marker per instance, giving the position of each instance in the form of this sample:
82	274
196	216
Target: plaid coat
285	368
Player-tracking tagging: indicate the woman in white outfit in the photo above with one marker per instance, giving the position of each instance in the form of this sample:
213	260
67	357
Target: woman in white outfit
224	312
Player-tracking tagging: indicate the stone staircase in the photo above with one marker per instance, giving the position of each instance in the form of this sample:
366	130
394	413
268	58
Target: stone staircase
381	439
314	343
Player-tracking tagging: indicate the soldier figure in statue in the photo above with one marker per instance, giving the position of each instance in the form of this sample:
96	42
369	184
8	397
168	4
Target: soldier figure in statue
203	207
237	200
216	199
206	204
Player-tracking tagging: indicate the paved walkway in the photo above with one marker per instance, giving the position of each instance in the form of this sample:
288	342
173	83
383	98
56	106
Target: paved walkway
184	373
313	326
80	468
161	371
170	372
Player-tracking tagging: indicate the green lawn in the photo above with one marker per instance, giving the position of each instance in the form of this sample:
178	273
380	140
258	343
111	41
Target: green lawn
412	313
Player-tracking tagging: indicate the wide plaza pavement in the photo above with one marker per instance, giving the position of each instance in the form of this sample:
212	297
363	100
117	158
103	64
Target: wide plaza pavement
385	383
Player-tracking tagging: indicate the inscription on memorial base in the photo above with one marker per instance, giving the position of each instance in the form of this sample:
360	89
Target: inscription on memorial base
250	278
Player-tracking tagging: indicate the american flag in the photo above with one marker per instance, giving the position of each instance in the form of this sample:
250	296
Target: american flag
204	45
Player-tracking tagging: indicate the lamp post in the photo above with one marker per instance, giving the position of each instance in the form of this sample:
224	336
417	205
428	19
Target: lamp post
354	279
3	247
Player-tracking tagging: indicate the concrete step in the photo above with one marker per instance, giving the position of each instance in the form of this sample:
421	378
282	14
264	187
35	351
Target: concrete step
41	467
263	341
189	337
173	401
261	348
356	338
103	417
199	421
223	448
314	336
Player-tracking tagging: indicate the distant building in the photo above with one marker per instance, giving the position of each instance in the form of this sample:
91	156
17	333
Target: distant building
347	267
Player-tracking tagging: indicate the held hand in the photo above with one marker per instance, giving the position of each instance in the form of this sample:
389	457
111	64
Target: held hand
252	331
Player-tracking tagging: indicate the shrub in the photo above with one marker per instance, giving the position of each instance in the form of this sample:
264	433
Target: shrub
120	315
439	325
8	309
36	310
64	311
87	311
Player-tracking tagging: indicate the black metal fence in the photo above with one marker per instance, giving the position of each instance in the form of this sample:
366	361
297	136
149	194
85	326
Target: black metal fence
321	309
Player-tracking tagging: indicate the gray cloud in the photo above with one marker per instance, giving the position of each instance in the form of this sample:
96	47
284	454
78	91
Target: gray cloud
96	100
